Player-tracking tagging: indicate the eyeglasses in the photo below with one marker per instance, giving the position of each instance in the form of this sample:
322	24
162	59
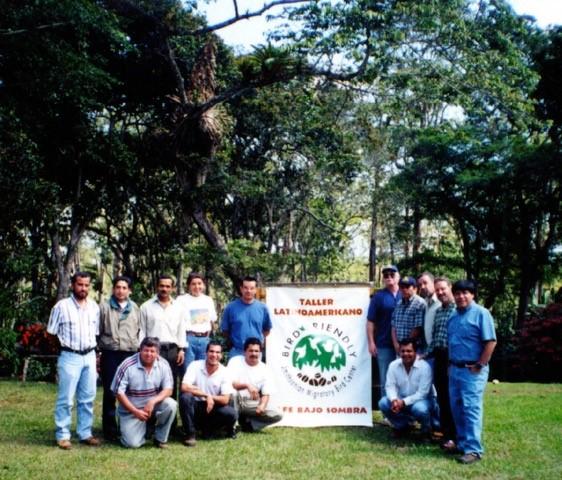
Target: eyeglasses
388	275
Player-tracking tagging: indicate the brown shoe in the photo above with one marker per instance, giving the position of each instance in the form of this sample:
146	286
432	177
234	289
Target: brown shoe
64	444
190	442
91	442
162	445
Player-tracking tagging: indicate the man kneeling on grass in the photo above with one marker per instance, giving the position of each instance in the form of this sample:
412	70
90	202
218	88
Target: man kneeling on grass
143	385
204	402
408	391
254	383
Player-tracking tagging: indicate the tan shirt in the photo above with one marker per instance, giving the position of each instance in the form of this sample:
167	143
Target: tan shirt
116	334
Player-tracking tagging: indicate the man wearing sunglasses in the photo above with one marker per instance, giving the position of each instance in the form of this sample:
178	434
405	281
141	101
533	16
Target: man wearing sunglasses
378	322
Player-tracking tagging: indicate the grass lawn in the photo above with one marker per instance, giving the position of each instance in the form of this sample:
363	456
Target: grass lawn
522	436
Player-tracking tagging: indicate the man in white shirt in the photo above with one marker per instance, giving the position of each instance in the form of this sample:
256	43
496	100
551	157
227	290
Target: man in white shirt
408	391
205	396
162	318
426	290
254	384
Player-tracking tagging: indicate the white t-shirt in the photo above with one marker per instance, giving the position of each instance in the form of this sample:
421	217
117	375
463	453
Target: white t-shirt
219	383
259	376
199	312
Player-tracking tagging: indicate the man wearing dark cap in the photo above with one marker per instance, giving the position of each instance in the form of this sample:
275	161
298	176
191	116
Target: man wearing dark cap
407	318
472	338
379	316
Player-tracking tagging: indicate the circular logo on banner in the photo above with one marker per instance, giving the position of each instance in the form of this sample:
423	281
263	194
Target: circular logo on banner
318	358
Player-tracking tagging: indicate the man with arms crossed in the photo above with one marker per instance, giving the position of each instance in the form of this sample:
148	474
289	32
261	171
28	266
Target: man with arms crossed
143	385
205	397
472	338
254	384
407	318
245	317
75	321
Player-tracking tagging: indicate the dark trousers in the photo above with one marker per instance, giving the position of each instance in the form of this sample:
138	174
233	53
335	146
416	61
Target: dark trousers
170	353
109	362
194	416
441	382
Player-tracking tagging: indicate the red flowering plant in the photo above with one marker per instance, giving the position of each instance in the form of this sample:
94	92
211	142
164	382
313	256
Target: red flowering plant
34	339
538	354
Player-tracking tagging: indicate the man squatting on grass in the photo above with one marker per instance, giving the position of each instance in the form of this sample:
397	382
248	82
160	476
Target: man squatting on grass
143	385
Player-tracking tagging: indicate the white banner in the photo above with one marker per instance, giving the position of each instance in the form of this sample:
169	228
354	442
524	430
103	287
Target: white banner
318	352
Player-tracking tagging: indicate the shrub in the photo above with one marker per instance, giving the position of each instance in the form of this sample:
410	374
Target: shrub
538	349
9	359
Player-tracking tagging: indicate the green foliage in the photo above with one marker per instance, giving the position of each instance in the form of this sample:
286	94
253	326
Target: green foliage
9	359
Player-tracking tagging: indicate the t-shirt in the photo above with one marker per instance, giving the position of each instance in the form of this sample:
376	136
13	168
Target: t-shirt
244	320
199	312
218	383
259	376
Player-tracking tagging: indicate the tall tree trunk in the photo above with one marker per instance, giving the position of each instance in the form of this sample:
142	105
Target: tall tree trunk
373	243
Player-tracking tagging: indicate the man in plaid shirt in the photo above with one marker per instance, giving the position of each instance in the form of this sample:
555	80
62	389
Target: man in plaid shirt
407	318
438	351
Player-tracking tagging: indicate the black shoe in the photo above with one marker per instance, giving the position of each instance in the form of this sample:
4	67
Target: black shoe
232	433
469	458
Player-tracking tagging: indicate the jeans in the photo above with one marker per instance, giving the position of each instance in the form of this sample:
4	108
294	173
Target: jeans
466	392
196	350
133	430
385	355
77	377
194	416
420	411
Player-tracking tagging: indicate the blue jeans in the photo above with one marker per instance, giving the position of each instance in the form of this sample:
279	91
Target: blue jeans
196	350
466	393
420	411
385	355
77	377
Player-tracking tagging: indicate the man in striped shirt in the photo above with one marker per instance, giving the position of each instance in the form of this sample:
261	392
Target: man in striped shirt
143	385
75	321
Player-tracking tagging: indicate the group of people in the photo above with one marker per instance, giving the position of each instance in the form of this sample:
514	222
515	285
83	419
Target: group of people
143	351
433	344
431	340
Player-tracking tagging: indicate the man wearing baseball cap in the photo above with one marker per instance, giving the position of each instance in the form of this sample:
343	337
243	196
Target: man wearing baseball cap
407	318
379	316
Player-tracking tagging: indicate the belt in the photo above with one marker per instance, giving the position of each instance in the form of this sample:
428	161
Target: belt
79	352
198	334
463	363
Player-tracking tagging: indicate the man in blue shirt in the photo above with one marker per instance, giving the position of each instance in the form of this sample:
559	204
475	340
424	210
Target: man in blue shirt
245	317
379	316
472	338
407	318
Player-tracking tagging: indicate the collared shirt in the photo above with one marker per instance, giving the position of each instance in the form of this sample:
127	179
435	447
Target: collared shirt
164	322
380	311
409	386
244	320
76	326
439	333
132	379
260	376
432	304
218	383
467	332
408	315
119	327
199	312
